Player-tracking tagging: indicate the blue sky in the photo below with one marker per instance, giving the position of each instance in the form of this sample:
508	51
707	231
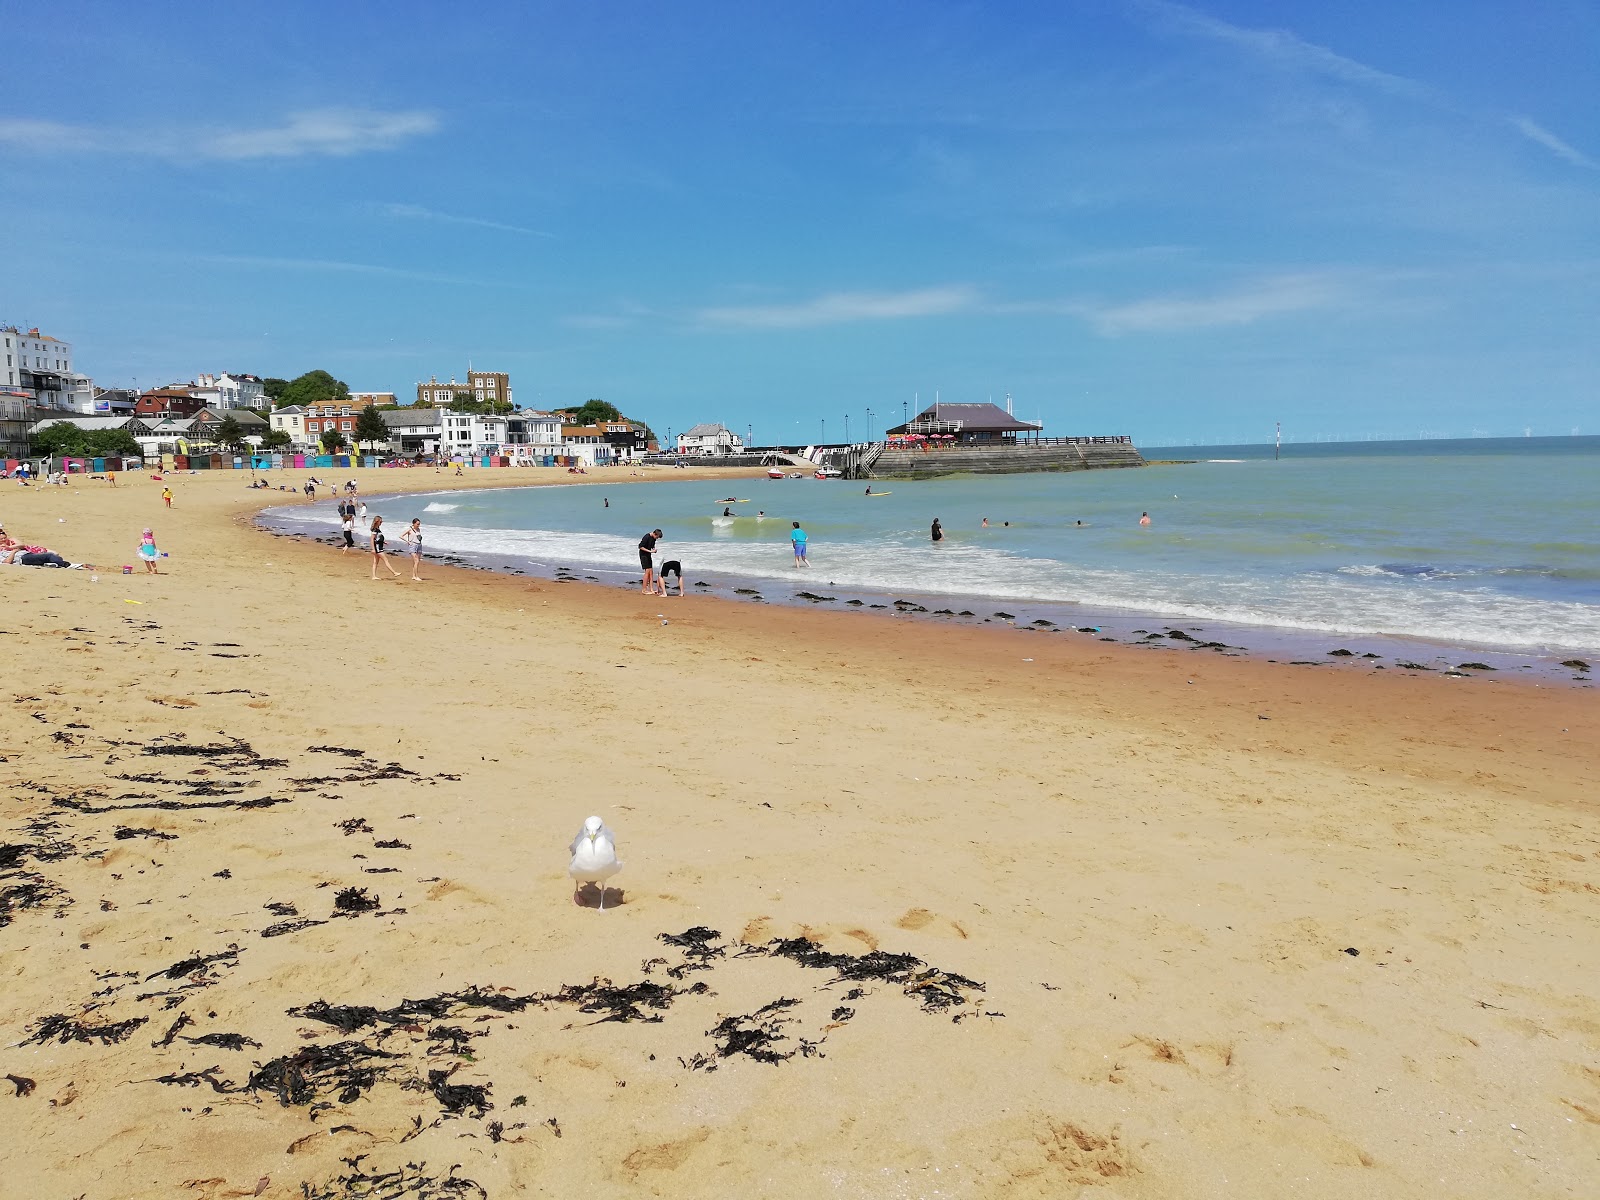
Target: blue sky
1179	222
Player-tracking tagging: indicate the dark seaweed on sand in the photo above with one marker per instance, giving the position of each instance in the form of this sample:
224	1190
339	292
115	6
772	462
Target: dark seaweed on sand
123	833
22	1083
32	892
627	1003
345	750
283	927
353	900
58	1027
408	1181
452	1039
755	1036
346	1069
353	825
184	1020
459	1098
189	966
698	951
937	990
196	1078
226	1041
282	908
392	844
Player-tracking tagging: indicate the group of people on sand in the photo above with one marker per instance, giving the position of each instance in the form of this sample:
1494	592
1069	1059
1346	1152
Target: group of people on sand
353	513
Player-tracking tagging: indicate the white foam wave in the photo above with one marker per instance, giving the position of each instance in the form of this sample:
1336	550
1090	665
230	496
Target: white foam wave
1330	602
435	506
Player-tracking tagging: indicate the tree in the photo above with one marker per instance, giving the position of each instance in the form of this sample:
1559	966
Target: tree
370	427
102	443
332	441
61	440
310	387
276	439
229	434
594	412
273	390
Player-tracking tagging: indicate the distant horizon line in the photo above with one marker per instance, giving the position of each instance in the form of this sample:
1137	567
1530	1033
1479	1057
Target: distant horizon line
1375	439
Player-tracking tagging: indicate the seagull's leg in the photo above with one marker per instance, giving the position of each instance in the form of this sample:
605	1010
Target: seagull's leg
602	886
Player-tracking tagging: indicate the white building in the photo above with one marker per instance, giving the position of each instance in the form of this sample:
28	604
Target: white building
226	391
710	439
533	434
291	420
472	434
413	430
40	366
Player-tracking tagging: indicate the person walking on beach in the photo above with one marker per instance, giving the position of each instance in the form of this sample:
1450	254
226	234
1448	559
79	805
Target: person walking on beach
377	549
412	537
166	496
938	530
798	539
647	560
148	553
347	525
361	511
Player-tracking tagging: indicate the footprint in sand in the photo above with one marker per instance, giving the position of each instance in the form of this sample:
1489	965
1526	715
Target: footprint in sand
921	920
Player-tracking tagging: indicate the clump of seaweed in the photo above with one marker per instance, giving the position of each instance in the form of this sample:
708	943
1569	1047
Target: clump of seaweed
283	927
58	1027
196	963
30	892
409	1181
459	1098
698	950
226	1041
123	833
344	1069
353	900
353	825
626	1003
755	1036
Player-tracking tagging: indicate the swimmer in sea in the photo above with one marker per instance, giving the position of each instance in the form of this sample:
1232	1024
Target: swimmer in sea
1144	518
727	512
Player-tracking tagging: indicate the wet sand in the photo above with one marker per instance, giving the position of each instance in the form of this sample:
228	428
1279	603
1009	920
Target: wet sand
1155	865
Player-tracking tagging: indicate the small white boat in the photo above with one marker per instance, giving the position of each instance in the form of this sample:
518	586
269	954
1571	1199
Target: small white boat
829	473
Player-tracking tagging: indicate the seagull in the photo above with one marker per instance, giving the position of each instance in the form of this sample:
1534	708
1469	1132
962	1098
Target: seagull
594	858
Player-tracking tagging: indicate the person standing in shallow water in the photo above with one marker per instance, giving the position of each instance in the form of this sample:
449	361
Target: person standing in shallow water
798	539
647	561
938	530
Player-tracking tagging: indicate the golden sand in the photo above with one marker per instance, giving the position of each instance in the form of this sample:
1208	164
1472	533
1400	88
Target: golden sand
1243	930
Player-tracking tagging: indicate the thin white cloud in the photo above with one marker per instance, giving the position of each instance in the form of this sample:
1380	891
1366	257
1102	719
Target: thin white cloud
837	308
1535	132
1278	48
416	212
325	133
1243	305
337	267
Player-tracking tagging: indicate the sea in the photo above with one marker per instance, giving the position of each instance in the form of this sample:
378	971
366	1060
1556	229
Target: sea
1424	551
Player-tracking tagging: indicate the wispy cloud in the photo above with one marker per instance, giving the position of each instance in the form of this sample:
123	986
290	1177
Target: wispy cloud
415	212
837	308
324	133
1538	133
1278	48
1242	305
338	267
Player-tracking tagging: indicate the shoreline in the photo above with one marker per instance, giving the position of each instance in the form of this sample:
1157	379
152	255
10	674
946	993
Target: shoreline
1232	923
1283	645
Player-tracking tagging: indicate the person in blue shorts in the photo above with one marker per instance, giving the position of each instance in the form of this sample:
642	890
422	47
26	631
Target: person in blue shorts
798	538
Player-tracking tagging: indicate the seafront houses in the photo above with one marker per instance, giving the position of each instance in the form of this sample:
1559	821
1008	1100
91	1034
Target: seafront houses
472	434
710	439
205	421
175	400
413	431
228	391
532	434
137	427
38	367
485	387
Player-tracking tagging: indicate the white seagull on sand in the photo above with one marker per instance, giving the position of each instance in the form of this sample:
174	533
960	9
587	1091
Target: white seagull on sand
594	858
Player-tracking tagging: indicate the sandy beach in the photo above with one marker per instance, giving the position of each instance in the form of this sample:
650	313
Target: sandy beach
287	911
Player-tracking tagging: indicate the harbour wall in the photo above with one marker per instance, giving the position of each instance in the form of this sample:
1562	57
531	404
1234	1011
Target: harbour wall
1077	454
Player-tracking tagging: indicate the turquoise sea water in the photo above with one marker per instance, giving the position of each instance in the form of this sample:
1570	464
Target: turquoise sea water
1492	543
